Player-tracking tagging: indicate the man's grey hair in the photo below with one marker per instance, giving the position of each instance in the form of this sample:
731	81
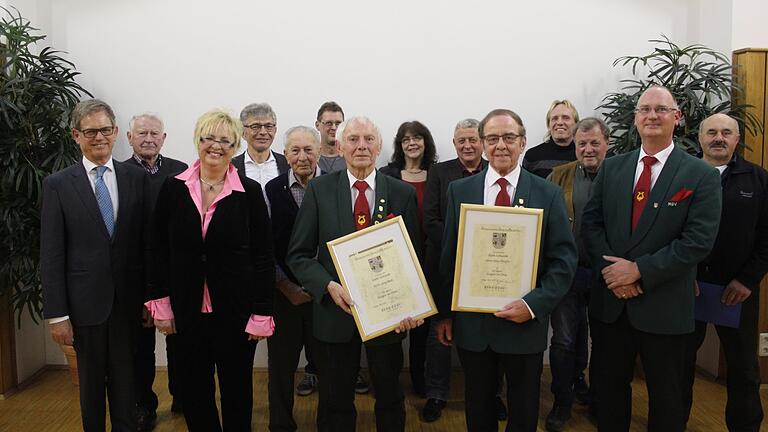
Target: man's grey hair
467	123
589	123
359	119
88	107
148	115
302	129
257	110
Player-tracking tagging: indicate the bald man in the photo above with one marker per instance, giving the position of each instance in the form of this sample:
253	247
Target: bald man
737	263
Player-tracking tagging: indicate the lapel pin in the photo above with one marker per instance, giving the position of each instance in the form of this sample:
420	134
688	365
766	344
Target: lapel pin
381	208
520	201
655	205
381	200
379	216
376	222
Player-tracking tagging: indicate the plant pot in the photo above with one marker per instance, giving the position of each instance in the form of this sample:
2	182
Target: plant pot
69	352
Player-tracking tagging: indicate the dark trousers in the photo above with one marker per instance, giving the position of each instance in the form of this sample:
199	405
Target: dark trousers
174	367
616	349
417	356
743	410
570	338
145	368
523	374
293	329
105	355
211	347
339	364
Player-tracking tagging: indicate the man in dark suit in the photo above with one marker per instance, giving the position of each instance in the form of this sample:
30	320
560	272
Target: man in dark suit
258	162
334	205
292	310
92	265
515	337
653	216
469	149
737	263
146	135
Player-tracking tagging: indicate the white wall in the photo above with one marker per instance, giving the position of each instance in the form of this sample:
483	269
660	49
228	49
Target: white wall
749	29
437	62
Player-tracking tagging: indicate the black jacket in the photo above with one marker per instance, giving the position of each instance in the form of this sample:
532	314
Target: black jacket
282	163
234	257
741	248
168	167
392	170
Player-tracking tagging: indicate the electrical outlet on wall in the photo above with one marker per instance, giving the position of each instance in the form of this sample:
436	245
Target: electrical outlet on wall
763	348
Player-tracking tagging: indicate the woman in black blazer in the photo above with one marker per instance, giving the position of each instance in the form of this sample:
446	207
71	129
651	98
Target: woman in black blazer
213	276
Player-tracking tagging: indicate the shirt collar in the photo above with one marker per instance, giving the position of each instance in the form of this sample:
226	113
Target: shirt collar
270	159
512	177
231	180
89	166
293	180
661	156
371	179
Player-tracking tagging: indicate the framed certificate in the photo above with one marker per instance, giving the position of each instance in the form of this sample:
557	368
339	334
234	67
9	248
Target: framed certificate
497	256
379	268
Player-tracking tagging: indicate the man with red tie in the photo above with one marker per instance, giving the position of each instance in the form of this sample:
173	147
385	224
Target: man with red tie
335	205
515	337
653	215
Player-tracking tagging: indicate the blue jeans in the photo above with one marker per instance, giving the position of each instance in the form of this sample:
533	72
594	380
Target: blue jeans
568	350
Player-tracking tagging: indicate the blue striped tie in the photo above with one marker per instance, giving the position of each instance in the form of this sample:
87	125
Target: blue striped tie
104	200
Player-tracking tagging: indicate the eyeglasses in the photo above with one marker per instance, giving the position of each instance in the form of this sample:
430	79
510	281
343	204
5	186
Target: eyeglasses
255	127
329	123
407	139
660	110
509	138
91	133
209	141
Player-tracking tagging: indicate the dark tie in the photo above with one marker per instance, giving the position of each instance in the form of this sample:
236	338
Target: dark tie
362	211
104	200
502	199
642	190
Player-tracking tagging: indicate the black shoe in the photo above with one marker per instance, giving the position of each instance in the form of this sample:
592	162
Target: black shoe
307	385
433	409
177	407
501	409
581	391
361	385
558	417
145	419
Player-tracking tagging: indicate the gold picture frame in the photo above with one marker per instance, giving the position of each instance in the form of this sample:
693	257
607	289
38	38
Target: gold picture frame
376	265
497	256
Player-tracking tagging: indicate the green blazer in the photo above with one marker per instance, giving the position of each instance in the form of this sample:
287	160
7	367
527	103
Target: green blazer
671	237
326	214
557	264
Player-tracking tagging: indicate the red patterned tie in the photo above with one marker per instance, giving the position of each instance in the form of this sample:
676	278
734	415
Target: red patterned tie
642	190
502	199
362	211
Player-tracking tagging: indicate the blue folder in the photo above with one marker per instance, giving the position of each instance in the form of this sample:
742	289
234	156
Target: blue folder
710	308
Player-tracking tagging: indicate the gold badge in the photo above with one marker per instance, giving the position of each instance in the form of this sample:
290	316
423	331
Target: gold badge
361	219
640	195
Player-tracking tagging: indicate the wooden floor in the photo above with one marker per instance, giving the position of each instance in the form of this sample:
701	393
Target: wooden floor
50	403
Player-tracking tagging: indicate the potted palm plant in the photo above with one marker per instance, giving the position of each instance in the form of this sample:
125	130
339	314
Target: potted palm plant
37	93
701	80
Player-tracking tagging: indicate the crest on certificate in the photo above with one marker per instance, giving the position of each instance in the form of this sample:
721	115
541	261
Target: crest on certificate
376	263
499	240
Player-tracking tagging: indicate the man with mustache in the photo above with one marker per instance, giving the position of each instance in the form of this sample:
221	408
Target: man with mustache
146	135
559	147
738	262
653	216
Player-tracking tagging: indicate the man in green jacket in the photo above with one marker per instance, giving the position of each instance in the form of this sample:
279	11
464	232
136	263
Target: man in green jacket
335	205
653	215
515	337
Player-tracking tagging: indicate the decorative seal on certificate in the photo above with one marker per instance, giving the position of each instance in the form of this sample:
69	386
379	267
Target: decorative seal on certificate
376	263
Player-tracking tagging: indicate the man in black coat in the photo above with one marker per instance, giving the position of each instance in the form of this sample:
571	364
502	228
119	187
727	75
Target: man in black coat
293	307
738	262
93	222
258	162
146	135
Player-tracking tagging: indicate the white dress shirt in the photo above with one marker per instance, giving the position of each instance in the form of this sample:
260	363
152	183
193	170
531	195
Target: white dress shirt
661	158
261	172
370	193
491	190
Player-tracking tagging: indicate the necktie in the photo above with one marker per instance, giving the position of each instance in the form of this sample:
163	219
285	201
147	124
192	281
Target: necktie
104	200
362	211
642	190
502	199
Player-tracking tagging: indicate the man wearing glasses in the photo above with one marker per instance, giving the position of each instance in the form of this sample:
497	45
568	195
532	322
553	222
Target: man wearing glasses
514	338
258	161
93	219
329	117
653	215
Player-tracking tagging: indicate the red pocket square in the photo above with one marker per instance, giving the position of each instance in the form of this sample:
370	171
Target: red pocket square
681	195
